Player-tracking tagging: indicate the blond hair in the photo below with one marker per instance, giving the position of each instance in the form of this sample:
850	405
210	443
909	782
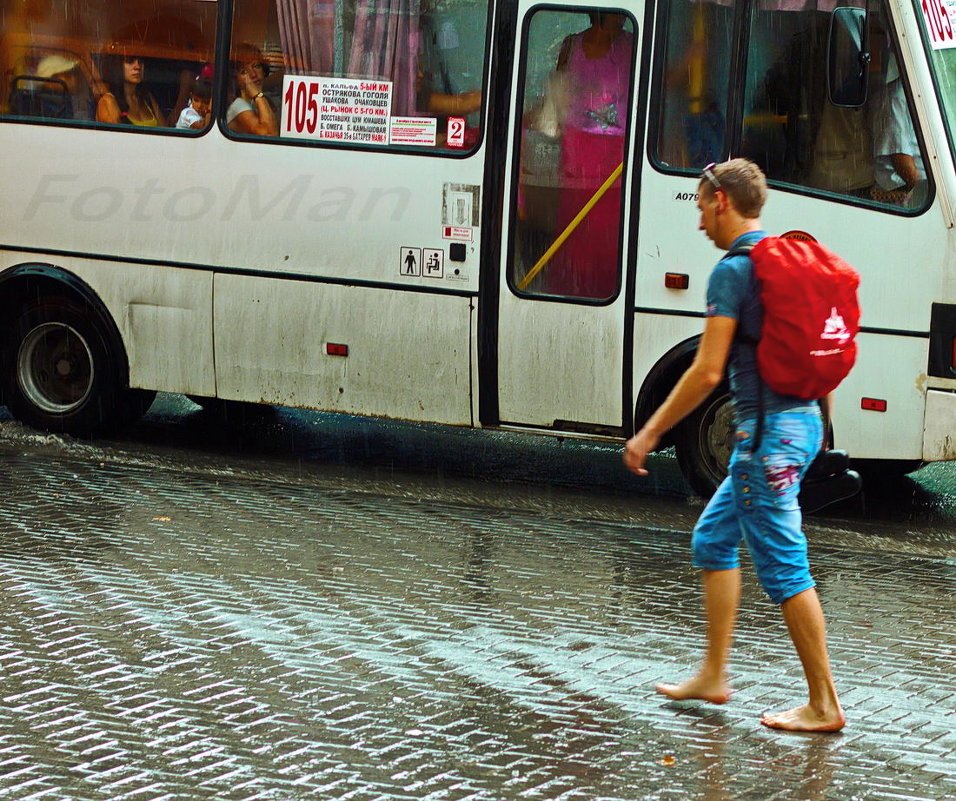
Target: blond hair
743	182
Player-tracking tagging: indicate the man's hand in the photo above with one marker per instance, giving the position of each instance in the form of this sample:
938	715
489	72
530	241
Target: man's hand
905	166
637	448
704	373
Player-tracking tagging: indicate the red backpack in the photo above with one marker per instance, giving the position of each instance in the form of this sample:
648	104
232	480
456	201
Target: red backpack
811	316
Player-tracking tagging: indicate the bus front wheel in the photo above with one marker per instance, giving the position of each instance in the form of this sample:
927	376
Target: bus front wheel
704	442
60	373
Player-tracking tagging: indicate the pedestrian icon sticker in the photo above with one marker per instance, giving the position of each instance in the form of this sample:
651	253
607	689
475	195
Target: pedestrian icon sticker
410	263
433	264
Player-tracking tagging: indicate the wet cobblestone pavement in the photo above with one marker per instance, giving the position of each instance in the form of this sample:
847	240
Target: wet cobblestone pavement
171	634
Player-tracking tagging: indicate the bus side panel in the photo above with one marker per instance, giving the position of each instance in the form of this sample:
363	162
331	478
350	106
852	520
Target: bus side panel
163	315
939	440
408	352
881	373
896	433
654	336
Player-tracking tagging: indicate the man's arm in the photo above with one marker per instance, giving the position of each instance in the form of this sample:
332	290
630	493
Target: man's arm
699	380
905	166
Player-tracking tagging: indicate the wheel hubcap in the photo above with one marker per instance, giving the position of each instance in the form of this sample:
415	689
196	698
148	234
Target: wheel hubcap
55	368
719	438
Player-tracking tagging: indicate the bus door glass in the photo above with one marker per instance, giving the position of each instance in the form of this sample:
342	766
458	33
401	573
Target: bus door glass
562	305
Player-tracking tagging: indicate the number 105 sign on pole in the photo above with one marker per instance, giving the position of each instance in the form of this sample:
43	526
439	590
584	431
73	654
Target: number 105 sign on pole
336	109
940	19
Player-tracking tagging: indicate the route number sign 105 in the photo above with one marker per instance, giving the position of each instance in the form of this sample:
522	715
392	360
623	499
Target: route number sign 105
940	18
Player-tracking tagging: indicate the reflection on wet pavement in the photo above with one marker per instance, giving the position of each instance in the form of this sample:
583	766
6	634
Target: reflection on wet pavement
914	514
216	632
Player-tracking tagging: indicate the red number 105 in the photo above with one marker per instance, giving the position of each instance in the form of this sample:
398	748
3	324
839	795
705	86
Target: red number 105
302	108
938	18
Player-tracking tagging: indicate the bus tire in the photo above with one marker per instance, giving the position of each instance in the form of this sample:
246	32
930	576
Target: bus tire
61	377
704	442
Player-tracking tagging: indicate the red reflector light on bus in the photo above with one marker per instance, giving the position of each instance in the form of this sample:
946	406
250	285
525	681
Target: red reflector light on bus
332	349
873	404
676	280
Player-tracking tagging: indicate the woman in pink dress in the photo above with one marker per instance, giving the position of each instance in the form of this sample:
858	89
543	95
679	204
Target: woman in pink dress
597	66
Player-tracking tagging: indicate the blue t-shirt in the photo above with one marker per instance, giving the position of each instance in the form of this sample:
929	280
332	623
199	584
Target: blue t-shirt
732	292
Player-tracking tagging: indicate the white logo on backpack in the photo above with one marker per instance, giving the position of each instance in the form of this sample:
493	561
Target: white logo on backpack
835	328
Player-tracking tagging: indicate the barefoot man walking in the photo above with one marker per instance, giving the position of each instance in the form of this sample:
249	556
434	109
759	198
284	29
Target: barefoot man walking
758	500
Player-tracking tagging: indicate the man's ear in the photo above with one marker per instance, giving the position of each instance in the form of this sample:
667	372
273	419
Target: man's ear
723	202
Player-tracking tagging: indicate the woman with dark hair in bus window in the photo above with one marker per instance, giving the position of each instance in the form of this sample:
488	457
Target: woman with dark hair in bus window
127	100
251	112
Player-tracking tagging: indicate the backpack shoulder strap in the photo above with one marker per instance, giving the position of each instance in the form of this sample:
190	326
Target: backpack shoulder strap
742	250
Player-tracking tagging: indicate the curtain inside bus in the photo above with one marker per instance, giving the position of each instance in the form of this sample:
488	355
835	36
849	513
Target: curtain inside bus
386	38
307	32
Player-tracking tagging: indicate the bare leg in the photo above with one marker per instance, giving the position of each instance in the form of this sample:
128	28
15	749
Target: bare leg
804	618
721	599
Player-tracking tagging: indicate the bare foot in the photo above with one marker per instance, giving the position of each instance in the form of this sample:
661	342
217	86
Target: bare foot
698	688
803	718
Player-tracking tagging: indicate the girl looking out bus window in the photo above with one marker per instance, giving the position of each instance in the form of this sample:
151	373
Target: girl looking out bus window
127	99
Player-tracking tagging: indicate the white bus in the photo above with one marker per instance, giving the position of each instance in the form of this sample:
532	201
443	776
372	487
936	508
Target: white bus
469	212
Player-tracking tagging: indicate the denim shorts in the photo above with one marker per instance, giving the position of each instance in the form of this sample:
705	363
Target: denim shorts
758	502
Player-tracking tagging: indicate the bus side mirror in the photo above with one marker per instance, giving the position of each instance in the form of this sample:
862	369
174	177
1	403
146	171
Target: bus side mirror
848	61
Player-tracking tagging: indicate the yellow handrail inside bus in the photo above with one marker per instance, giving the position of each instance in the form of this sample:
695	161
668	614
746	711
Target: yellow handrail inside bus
585	210
697	64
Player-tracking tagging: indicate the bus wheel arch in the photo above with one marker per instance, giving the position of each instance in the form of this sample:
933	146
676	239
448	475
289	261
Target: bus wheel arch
704	439
64	366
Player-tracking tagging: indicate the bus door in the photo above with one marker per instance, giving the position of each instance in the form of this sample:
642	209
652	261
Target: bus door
562	305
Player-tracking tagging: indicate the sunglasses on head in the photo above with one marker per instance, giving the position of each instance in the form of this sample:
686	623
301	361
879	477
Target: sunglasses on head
708	173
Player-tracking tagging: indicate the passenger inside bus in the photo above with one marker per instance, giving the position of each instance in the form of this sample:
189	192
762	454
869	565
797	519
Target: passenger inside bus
789	125
841	158
695	85
431	54
55	88
64	71
175	80
448	81
900	178
595	65
196	115
251	112
127	99
795	130
788	122
445	105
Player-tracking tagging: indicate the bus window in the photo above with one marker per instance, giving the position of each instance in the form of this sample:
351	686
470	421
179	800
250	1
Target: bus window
567	230
793	130
129	64
360	73
694	83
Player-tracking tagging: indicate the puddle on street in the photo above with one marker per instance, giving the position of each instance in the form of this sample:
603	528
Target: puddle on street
563	476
